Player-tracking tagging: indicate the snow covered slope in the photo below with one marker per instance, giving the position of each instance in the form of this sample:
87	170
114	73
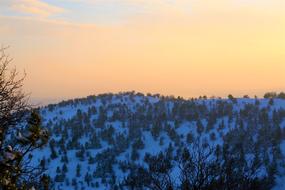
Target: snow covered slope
97	141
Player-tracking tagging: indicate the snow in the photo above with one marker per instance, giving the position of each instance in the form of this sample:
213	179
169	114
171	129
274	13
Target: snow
152	146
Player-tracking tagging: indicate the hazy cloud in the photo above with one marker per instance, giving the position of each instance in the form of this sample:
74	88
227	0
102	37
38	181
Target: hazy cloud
35	7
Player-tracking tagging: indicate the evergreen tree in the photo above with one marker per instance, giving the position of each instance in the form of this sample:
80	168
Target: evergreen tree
17	142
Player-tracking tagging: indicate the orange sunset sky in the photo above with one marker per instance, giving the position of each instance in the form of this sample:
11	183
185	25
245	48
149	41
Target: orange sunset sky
74	48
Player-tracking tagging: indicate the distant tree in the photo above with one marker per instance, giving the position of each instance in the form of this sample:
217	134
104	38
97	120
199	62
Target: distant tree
161	141
281	95
20	131
64	168
102	117
270	95
78	170
58	170
190	138
200	127
87	178
155	130
213	136
43	163
74	182
232	98
91	160
138	144
80	153
52	149
59	178
134	155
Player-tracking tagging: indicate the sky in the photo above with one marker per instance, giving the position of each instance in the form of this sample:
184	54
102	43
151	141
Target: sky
75	48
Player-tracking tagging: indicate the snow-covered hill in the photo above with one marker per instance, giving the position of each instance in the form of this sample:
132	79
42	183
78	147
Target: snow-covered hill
98	142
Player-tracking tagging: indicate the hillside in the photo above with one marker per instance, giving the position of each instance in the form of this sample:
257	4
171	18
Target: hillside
137	141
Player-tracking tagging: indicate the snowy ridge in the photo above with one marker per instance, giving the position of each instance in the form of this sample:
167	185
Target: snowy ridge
94	138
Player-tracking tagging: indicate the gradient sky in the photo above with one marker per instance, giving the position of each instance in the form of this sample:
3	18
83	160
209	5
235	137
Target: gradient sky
74	48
